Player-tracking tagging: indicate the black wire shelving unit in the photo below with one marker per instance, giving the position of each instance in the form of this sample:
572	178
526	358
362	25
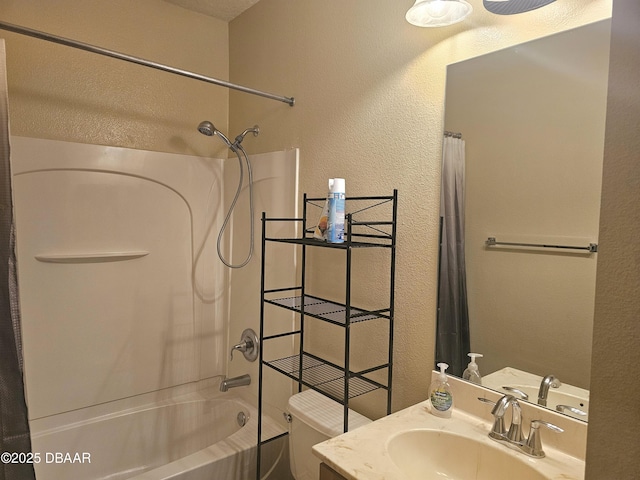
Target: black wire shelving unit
370	223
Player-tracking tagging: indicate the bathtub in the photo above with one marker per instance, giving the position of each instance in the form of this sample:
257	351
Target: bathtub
193	437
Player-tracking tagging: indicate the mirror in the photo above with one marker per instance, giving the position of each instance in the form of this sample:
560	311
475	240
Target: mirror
532	118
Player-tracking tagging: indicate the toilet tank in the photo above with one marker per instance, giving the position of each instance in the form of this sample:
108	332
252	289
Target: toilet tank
314	419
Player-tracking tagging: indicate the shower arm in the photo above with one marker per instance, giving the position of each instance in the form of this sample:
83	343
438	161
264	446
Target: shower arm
140	61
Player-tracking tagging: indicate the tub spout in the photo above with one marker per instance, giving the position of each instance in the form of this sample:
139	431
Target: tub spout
233	382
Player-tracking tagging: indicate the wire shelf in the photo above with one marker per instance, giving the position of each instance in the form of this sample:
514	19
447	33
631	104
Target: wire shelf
309	241
322	376
327	310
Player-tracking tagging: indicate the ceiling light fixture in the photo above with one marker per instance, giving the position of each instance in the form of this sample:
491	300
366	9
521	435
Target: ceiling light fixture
438	13
511	7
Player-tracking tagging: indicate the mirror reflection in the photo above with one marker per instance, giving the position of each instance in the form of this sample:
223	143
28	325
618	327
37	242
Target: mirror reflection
531	121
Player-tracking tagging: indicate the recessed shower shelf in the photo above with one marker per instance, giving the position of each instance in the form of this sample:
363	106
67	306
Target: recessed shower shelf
327	310
323	376
98	257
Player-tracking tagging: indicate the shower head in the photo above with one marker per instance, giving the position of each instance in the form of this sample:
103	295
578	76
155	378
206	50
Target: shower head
207	128
255	130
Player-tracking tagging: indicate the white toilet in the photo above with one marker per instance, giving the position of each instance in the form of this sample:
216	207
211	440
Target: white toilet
314	419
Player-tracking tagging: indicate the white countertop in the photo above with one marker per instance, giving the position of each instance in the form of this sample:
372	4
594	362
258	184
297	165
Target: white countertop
362	455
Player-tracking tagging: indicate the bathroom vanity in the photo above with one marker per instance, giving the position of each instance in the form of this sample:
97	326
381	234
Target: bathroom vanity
328	473
414	444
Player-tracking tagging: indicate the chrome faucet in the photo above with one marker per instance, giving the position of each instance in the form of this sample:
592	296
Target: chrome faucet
233	382
531	446
548	381
514	435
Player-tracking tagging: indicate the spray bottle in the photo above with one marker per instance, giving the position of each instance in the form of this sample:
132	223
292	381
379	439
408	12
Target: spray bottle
335	224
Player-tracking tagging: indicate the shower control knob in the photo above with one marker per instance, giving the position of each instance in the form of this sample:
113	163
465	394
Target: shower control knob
249	345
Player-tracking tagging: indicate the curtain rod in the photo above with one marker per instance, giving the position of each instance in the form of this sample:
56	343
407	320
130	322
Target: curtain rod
452	134
147	63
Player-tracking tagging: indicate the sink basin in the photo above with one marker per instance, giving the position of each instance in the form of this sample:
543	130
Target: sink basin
426	454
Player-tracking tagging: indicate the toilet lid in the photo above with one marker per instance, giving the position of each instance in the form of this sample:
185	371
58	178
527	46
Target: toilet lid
323	414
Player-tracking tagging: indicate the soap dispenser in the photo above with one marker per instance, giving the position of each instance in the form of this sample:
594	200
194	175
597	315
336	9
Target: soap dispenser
440	394
472	373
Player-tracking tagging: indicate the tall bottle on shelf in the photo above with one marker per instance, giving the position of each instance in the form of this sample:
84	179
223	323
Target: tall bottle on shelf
335	224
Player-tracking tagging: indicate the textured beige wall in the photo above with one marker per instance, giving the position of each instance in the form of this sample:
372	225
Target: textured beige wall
613	449
61	93
533	120
369	92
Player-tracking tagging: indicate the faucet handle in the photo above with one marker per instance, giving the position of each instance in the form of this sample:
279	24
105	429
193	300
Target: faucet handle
534	443
248	345
577	411
242	347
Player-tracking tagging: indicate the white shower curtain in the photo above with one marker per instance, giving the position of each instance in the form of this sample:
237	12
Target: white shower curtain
14	427
452	331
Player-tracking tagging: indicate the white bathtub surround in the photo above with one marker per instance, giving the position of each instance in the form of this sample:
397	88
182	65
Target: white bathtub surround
140	302
125	303
96	331
362	454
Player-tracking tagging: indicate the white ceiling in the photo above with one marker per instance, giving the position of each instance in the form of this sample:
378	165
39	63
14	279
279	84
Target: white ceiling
225	10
